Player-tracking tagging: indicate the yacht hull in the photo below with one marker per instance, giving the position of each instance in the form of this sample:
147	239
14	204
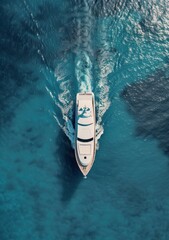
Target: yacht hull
85	136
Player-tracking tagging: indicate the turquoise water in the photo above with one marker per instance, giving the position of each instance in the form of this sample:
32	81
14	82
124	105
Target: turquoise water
50	50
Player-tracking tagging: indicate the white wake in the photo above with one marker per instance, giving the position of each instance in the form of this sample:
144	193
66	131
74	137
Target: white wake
72	76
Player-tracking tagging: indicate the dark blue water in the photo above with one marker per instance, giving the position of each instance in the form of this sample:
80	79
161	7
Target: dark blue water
50	50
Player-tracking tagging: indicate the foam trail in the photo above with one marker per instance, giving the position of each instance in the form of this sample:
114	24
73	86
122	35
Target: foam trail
64	99
58	85
83	63
83	68
72	76
62	90
83	72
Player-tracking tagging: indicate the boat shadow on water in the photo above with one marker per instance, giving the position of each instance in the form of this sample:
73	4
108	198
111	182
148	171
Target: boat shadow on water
69	175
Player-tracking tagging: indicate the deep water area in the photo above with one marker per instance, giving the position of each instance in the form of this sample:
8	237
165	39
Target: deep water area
50	51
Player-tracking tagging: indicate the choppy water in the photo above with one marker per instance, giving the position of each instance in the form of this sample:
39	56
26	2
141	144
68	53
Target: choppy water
50	50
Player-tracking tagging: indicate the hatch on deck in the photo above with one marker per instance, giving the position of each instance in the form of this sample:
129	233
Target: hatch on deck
85	149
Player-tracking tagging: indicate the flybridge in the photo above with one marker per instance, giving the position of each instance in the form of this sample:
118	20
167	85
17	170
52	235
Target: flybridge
85	143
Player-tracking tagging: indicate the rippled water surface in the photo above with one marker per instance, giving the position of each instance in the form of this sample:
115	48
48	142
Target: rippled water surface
50	50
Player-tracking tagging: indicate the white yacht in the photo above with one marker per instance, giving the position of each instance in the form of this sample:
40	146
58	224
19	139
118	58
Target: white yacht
85	142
